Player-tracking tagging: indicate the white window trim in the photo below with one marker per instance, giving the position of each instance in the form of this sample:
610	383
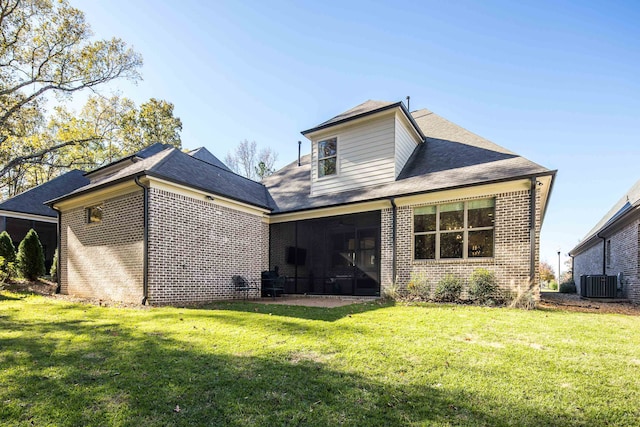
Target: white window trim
465	230
318	158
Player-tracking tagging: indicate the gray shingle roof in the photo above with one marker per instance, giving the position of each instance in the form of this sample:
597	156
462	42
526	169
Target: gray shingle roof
451	157
32	200
175	166
626	203
359	110
148	151
206	156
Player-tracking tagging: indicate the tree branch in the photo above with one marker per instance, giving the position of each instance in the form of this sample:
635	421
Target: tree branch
23	159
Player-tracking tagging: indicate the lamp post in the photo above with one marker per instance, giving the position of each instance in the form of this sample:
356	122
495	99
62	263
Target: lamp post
558	267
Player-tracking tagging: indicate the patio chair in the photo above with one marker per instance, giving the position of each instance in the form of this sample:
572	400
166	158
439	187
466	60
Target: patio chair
272	283
241	284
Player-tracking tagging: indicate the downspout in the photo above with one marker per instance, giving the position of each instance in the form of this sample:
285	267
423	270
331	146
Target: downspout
532	233
604	253
394	221
573	270
145	243
58	248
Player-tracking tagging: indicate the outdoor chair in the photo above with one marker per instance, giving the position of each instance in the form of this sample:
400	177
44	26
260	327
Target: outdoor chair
241	284
272	283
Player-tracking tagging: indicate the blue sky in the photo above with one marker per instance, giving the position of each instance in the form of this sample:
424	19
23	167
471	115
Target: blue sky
556	82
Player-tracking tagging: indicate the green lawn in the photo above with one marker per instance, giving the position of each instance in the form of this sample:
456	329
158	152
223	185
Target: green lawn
239	364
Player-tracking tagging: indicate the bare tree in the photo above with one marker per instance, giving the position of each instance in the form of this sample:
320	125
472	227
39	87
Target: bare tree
245	160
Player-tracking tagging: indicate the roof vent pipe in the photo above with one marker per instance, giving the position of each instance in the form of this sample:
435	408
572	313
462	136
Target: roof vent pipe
299	145
408	101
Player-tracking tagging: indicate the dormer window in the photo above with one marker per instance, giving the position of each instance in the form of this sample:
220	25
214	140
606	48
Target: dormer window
327	157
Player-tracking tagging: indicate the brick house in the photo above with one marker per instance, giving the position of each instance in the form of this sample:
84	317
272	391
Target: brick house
27	210
612	247
384	193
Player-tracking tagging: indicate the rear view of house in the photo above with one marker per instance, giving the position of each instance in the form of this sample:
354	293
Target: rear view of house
384	193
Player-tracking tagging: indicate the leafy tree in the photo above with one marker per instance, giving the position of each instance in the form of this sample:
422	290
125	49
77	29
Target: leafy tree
246	161
30	256
112	128
567	275
546	272
153	122
45	48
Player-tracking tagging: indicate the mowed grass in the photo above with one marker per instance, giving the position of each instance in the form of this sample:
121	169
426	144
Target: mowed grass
239	364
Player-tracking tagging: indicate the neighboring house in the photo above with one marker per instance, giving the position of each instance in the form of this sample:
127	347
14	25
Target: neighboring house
384	193
27	210
613	246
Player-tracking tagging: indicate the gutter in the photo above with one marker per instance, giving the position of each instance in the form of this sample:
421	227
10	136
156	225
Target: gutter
145	244
604	253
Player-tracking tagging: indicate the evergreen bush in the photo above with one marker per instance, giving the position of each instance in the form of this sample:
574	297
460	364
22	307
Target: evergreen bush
30	258
568	288
448	289
483	286
7	252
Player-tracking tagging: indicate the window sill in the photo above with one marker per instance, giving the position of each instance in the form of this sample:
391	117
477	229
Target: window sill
454	261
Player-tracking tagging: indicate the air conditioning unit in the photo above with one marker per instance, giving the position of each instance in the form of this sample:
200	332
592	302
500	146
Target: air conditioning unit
598	286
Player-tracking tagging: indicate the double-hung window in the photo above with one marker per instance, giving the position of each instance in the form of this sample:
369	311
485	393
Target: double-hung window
454	230
327	157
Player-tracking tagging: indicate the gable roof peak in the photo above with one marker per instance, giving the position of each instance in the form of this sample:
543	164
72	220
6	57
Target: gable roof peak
366	108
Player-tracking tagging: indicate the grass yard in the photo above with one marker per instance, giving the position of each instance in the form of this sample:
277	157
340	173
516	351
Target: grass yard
239	364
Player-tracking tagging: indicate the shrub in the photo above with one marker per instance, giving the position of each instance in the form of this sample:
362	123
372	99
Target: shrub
524	300
391	292
53	271
553	285
3	274
483	287
418	286
568	287
30	258
7	252
448	289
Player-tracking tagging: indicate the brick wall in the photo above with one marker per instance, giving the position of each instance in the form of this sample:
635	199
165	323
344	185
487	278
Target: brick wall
104	260
624	258
511	261
195	246
588	262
